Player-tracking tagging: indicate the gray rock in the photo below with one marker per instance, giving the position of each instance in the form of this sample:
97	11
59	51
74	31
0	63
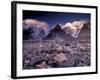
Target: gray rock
58	48
35	60
41	65
80	46
81	64
70	49
27	61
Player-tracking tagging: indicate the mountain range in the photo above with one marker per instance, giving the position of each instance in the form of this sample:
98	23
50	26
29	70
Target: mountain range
39	33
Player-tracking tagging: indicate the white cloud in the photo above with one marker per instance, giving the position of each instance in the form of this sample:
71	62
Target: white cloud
36	23
74	28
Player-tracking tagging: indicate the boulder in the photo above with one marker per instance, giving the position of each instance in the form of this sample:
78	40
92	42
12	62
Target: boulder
70	49
80	46
59	48
41	65
27	61
60	57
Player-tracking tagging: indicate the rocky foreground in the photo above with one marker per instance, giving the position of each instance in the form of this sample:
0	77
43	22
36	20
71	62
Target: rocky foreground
56	54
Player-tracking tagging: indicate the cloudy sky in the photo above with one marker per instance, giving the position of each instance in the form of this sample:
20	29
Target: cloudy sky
53	18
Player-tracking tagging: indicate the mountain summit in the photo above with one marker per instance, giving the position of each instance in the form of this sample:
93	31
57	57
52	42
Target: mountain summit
57	33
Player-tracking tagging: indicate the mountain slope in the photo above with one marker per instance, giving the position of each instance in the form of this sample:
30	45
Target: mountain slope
57	34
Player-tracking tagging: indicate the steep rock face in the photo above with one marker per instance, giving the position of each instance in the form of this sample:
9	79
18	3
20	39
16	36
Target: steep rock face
85	31
33	32
27	31
57	34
